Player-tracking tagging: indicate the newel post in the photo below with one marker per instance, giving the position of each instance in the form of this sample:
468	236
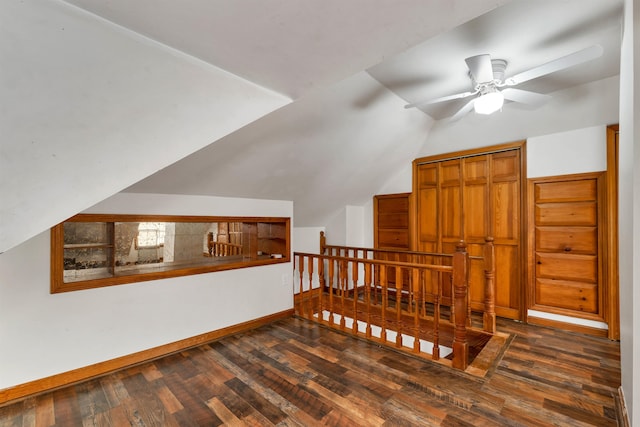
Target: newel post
489	318
323	243
323	248
460	288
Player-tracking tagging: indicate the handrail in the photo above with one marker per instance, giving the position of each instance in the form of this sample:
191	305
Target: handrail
435	267
324	247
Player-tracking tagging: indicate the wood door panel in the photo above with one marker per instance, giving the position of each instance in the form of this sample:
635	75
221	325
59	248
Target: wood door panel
507	277
475	221
393	220
428	208
450	212
567	214
476	277
450	173
393	204
582	240
505	166
567	266
566	191
569	295
428	175
476	170
506	218
393	239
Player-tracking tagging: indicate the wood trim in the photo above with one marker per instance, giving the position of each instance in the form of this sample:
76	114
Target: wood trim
169	218
524	233
468	153
21	391
586	330
621	408
612	303
57	284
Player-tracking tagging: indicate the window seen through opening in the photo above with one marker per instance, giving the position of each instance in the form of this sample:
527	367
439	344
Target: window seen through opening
151	234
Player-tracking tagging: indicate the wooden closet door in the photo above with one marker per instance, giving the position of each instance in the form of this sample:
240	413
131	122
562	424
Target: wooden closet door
470	198
505	197
427	225
491	205
476	213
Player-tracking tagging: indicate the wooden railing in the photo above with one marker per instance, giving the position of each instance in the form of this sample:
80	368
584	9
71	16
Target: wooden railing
487	259
393	303
217	249
224	249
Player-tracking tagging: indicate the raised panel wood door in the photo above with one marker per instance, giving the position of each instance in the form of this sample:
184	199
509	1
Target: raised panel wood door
391	221
470	198
565	245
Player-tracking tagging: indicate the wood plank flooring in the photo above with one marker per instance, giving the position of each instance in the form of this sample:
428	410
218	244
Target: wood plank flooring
296	373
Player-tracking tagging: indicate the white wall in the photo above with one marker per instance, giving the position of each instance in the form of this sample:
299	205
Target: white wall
564	153
86	106
43	334
306	239
355	226
629	211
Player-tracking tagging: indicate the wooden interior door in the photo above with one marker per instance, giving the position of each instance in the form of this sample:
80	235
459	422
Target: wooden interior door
470	196
566	246
391	221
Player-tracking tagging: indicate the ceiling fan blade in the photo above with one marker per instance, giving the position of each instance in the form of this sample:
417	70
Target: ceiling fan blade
524	96
463	111
568	61
480	68
442	99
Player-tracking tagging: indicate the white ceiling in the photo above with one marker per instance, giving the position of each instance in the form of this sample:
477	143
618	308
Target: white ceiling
349	67
289	46
525	33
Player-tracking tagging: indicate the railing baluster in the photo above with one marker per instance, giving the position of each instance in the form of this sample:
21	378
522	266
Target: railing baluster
354	276
367	292
489	317
321	300
398	307
415	282
310	304
435	354
343	289
331	280
460	282
385	296
301	299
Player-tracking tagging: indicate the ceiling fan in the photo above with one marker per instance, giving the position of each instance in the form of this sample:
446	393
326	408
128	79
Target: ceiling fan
487	77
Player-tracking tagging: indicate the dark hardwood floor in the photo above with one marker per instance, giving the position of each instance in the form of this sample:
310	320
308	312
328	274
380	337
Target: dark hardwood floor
296	373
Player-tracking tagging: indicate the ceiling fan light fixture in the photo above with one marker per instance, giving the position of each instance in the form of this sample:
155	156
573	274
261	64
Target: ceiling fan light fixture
488	103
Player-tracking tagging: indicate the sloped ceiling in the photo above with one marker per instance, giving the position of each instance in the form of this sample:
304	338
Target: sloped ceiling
323	152
331	77
339	145
290	46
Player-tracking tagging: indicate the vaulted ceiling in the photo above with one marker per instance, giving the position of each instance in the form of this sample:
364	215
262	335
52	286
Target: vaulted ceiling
286	99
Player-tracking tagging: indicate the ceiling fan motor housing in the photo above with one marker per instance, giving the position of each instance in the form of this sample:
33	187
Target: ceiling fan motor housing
499	67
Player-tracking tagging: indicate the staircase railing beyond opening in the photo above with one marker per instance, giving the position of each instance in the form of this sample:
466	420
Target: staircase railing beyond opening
394	303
